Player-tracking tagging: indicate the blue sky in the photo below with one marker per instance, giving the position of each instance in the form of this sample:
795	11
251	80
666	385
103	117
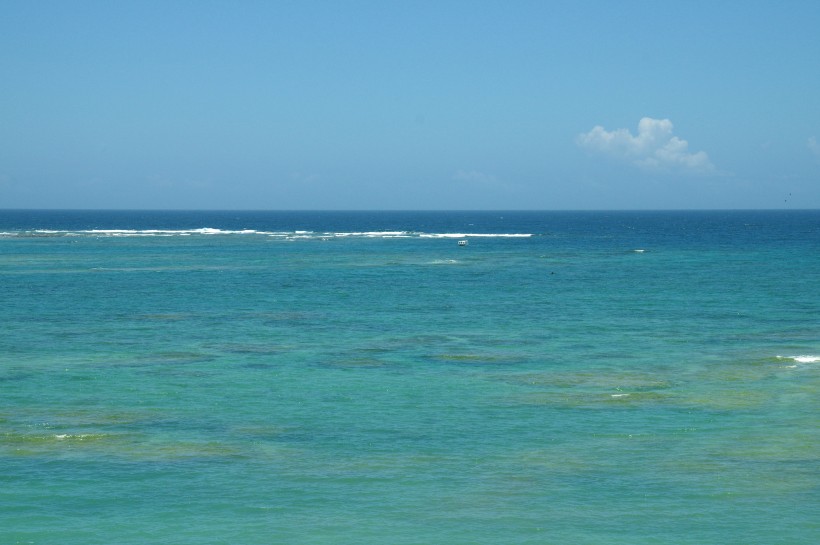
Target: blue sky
410	105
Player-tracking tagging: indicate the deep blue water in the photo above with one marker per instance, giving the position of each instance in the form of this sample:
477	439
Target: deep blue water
359	377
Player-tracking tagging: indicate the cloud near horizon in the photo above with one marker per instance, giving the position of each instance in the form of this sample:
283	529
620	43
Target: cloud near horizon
654	148
474	176
814	146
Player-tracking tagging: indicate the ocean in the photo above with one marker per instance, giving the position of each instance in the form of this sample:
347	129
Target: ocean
362	378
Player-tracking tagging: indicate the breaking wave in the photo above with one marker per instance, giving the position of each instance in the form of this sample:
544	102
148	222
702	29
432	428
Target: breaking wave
289	235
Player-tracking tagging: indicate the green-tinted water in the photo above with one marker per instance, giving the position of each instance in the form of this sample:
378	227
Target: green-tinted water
319	387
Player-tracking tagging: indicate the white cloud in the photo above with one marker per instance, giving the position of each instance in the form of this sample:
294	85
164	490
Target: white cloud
814	146
654	147
304	177
474	176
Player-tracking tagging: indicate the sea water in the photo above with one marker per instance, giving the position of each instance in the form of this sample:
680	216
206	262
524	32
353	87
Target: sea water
361	378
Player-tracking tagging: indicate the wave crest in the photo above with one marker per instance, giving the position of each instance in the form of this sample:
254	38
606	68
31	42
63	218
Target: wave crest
289	235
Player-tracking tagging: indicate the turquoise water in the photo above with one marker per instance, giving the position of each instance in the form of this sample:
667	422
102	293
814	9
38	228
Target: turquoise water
312	378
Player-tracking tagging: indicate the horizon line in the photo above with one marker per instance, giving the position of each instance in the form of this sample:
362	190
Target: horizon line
400	210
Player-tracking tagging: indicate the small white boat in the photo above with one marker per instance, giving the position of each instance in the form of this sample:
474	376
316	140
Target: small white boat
462	243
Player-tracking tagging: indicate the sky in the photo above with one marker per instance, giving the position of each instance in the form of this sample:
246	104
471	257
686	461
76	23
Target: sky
348	105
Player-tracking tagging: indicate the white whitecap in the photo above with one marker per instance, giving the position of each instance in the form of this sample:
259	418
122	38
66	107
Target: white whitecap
80	436
806	359
475	235
298	234
801	359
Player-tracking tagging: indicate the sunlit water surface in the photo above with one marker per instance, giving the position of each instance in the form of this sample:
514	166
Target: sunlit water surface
361	378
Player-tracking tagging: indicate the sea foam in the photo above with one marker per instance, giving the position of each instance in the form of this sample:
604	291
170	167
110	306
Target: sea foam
801	359
476	235
290	235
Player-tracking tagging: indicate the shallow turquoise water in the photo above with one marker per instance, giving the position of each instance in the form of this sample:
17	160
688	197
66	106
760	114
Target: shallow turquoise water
360	378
